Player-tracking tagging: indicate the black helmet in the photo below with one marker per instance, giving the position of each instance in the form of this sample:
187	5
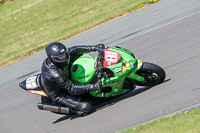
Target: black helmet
57	53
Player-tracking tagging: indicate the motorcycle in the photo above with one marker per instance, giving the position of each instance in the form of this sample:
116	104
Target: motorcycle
118	70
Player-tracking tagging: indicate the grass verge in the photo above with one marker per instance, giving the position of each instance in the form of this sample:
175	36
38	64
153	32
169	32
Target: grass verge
27	26
188	122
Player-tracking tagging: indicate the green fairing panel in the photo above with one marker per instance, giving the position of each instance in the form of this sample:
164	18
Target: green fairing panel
82	70
133	75
116	83
125	53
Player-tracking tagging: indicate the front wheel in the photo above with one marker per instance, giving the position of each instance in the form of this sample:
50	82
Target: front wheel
152	73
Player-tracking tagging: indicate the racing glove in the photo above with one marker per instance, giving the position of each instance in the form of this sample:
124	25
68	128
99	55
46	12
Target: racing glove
101	45
98	85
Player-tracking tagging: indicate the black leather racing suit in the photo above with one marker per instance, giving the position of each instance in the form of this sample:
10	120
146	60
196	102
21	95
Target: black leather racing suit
57	85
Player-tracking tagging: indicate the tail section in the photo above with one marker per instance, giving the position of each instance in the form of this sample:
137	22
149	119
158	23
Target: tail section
32	85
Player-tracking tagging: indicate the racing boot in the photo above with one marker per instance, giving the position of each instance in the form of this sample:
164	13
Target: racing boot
81	108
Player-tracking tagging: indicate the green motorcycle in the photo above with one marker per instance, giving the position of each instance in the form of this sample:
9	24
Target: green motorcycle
118	70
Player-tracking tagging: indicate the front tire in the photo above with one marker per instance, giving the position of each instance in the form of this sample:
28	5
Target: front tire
152	73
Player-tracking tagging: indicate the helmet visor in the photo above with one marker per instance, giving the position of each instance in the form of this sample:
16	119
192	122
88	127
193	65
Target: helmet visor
62	58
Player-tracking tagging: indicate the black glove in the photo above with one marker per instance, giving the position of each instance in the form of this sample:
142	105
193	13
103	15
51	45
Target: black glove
98	85
101	45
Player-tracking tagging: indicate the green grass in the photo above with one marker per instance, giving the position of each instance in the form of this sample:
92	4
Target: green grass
26	26
186	123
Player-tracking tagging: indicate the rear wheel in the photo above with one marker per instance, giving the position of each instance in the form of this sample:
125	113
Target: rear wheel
152	73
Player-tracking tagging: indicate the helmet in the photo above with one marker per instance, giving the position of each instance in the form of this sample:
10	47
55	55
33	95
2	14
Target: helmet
57	53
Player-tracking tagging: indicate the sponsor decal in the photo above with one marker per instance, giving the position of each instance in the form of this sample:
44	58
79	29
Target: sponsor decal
132	74
139	63
31	83
132	65
127	64
115	90
123	69
118	69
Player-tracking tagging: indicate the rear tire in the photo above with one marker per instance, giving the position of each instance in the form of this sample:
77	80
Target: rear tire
152	73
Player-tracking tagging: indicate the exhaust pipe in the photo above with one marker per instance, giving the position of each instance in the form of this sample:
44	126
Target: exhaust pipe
53	108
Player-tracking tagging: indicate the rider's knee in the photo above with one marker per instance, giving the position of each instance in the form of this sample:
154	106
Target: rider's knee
85	107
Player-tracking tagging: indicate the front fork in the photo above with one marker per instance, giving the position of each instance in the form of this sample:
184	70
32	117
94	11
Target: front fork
133	74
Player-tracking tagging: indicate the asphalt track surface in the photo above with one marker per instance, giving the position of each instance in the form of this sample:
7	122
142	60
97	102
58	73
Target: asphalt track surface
166	33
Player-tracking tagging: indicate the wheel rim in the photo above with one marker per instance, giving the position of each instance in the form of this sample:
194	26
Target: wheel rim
151	78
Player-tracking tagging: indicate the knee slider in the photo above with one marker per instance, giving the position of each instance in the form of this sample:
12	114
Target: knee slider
85	107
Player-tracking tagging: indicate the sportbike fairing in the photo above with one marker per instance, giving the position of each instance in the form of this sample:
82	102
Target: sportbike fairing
32	85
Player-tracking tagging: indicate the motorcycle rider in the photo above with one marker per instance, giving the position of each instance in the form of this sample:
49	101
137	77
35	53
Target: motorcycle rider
55	76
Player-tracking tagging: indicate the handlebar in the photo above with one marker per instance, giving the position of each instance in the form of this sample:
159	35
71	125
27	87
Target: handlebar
100	70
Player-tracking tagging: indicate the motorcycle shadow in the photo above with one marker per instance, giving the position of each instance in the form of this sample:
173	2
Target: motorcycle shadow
123	96
119	98
105	104
109	102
